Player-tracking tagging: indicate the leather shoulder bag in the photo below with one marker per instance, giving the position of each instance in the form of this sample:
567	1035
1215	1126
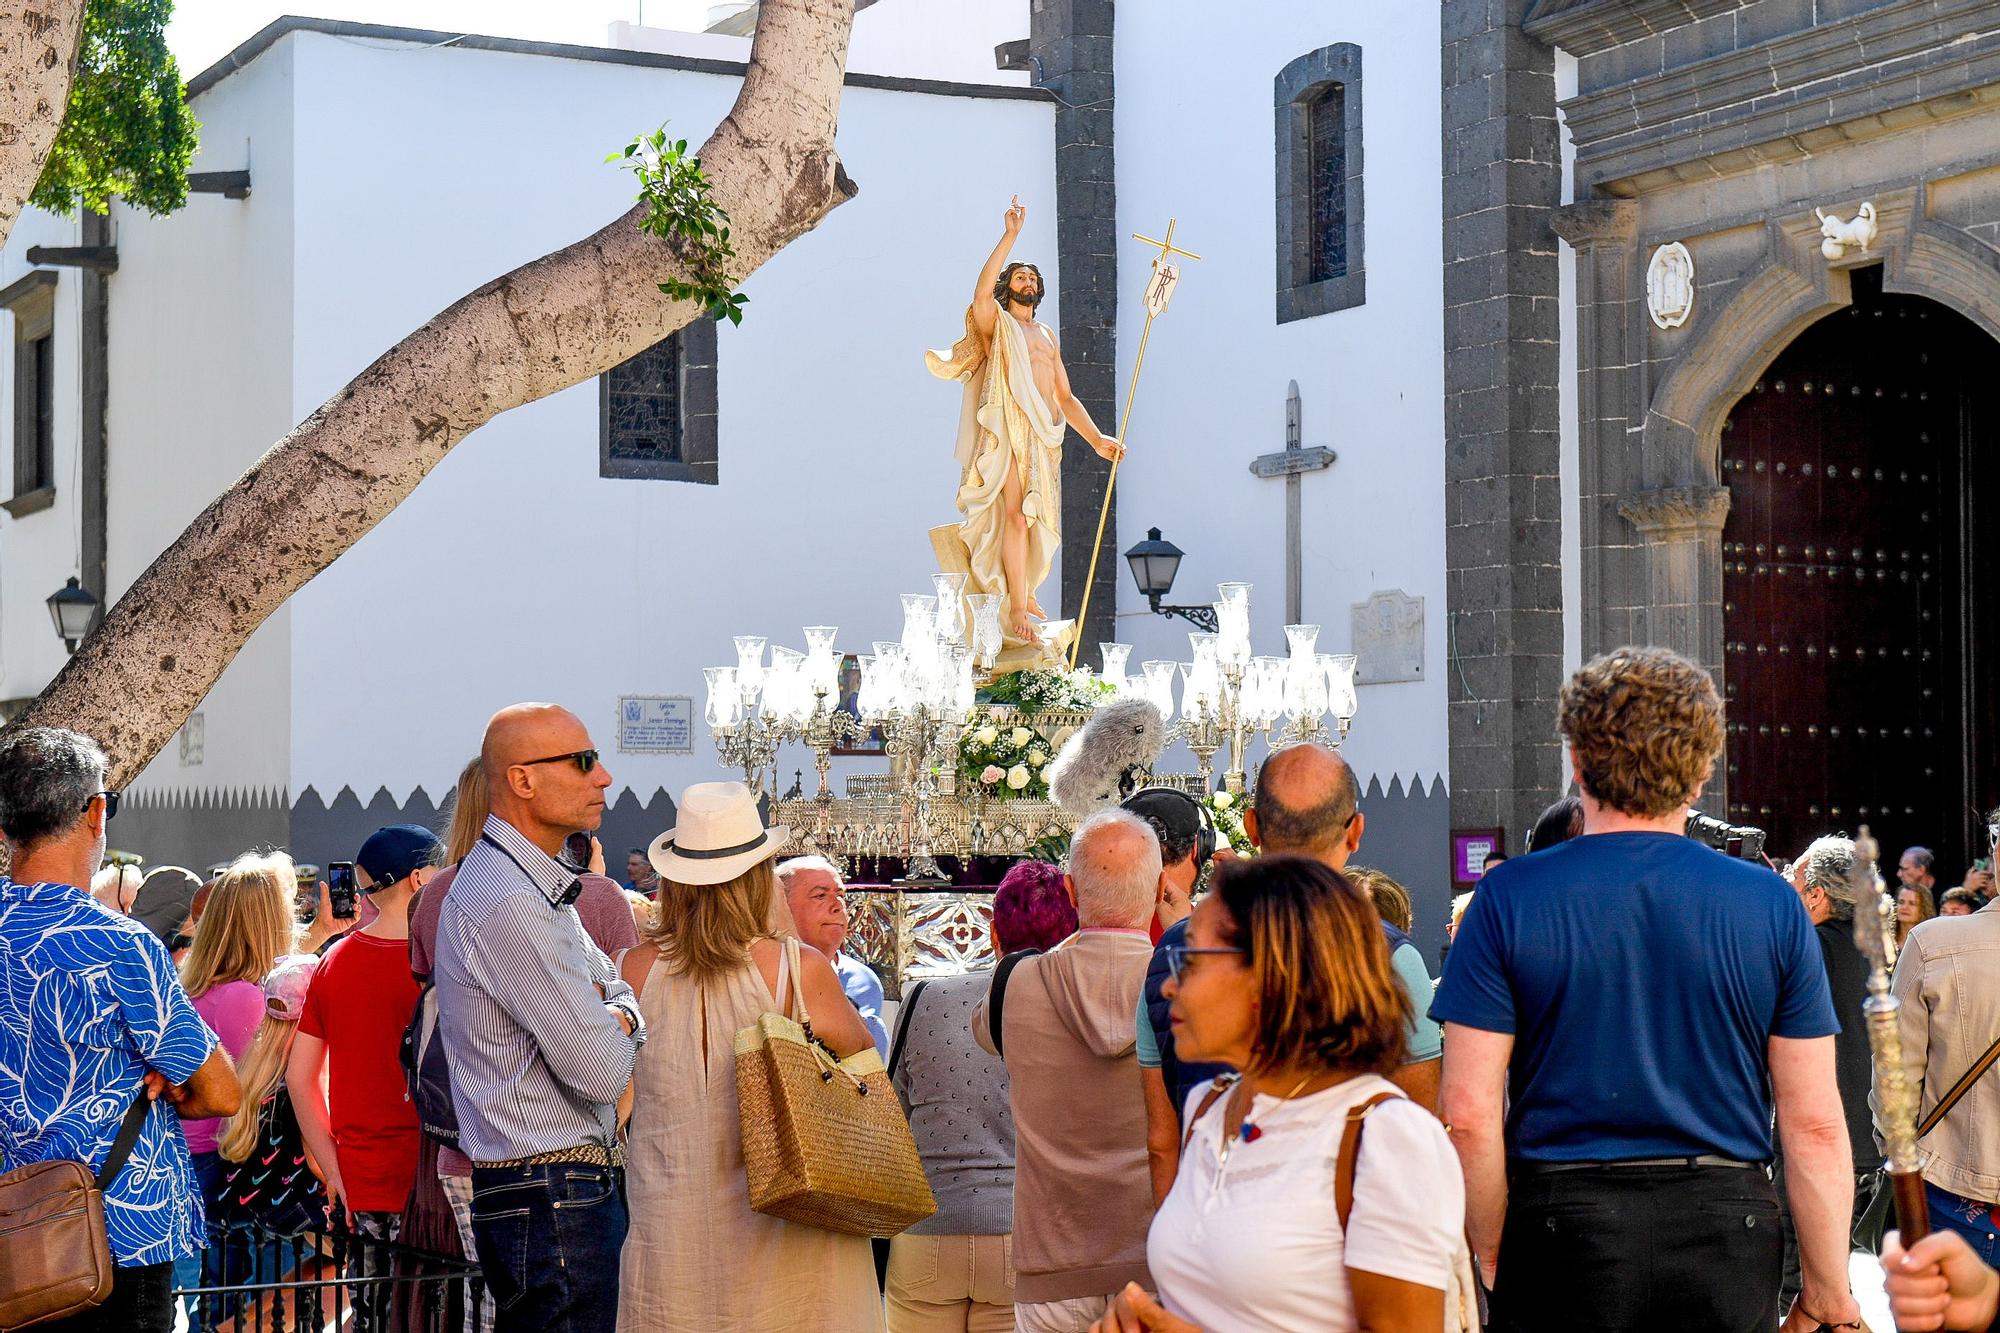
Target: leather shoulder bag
55	1259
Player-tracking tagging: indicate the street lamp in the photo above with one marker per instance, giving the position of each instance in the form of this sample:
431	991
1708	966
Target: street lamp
72	608
1155	562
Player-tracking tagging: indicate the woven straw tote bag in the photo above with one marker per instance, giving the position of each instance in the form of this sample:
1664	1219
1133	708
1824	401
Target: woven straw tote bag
825	1141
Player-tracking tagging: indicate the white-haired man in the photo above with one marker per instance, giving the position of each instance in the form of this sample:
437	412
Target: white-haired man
818	901
1082	1190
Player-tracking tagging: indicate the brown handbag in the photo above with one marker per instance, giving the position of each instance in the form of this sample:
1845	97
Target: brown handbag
825	1141
55	1260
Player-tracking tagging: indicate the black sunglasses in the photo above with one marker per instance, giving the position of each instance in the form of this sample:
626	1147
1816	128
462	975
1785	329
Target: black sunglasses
110	803
1178	954
585	760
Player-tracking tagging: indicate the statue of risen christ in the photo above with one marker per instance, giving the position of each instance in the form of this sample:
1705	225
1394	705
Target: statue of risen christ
1010	433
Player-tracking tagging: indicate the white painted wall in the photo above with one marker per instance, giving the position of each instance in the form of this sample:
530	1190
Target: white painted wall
200	356
1199	148
921	39
516	572
39	551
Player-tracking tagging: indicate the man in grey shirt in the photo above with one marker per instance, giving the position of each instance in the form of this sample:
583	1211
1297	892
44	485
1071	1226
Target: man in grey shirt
540	1034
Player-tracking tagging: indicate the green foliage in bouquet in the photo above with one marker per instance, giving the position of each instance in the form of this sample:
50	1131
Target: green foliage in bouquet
1046	689
1004	760
1227	811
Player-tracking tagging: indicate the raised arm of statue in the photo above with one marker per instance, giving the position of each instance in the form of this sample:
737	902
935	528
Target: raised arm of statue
985	310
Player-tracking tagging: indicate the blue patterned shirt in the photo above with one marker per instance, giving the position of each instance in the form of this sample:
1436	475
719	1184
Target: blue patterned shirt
88	1003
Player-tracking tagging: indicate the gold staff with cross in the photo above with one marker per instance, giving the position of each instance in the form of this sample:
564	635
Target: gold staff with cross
1159	290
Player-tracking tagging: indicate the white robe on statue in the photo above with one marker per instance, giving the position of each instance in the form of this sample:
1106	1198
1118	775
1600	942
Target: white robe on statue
1004	421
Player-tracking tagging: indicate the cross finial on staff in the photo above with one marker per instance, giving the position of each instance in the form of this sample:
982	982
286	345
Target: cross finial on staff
1167	247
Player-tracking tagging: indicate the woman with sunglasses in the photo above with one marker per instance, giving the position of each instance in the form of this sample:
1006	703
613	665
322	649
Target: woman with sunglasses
1286	977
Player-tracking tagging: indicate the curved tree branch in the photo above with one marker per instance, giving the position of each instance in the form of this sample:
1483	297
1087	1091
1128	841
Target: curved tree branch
38	48
549	324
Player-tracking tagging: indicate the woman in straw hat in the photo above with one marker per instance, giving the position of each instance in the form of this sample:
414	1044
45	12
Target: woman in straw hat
697	1257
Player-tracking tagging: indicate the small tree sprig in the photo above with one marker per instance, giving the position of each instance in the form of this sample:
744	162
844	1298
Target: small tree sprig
680	212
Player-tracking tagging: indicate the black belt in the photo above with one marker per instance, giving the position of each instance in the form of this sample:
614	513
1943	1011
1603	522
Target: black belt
1521	1166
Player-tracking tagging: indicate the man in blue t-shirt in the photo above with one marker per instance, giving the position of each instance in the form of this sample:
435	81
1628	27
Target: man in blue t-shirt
1621	1012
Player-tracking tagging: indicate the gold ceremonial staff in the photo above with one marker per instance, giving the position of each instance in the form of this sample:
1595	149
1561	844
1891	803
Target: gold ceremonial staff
1895	1099
1159	289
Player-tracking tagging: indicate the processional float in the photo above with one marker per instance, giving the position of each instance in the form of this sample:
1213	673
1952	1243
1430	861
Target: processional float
969	727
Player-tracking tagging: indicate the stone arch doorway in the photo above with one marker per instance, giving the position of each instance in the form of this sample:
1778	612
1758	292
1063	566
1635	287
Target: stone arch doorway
1861	580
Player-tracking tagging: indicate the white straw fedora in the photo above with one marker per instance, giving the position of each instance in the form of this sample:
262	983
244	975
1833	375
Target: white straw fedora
719	836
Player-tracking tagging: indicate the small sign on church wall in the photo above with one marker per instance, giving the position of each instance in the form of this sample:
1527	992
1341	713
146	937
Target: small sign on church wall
1389	638
655	724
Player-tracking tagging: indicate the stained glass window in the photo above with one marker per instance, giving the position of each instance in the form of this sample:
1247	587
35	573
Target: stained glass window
1326	128
644	405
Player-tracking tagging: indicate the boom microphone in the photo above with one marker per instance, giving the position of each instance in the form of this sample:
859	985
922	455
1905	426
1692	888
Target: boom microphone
1101	764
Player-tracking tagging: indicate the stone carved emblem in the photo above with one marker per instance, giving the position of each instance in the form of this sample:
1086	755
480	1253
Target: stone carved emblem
1670	285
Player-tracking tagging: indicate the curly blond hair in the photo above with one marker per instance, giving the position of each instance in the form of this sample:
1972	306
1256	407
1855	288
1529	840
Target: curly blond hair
1645	725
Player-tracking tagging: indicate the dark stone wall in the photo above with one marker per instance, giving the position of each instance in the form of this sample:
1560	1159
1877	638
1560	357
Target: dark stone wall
1070	51
1503	505
1408	838
198	830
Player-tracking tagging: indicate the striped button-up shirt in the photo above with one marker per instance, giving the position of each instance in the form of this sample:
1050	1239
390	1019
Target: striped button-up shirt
537	1058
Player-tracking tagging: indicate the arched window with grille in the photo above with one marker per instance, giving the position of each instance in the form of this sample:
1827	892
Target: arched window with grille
1317	99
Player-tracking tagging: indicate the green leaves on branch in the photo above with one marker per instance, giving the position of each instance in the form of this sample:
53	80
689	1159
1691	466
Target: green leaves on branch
679	212
128	130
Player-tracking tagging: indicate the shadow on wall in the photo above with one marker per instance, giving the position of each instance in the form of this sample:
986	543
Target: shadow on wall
321	832
1408	838
198	829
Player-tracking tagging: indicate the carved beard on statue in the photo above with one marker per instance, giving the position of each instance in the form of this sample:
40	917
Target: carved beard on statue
1004	293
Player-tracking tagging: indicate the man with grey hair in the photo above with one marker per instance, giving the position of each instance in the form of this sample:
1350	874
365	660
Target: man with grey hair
1062	1022
93	1021
1821	876
817	898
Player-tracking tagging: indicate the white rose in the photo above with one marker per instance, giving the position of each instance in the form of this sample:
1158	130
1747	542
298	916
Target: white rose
986	735
1017	777
1038	756
1223	800
1021	736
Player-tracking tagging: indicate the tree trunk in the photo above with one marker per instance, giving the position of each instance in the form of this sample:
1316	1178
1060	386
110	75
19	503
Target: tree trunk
38	46
547	325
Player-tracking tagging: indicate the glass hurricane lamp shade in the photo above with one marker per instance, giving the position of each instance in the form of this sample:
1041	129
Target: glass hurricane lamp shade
1155	562
750	664
72	607
951	619
822	663
783	685
919	618
1159	685
986	633
1342	700
1232	623
1301	640
725	701
1115	656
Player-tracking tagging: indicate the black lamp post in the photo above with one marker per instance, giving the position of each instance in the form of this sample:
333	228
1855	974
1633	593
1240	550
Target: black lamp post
1155	562
72	607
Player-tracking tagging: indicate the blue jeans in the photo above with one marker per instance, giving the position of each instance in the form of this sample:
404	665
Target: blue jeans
548	1238
1970	1218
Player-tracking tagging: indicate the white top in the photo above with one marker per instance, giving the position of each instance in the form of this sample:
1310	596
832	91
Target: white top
1253	1243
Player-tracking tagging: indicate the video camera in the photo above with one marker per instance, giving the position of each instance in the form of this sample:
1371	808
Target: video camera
1737	840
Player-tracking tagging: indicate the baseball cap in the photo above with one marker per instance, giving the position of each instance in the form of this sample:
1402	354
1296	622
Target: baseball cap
393	852
286	985
1175	814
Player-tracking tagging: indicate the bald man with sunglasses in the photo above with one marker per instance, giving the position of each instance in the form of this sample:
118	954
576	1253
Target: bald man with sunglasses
540	1034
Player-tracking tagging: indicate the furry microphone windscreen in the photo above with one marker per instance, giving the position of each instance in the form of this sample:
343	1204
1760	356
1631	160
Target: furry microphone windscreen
1099	765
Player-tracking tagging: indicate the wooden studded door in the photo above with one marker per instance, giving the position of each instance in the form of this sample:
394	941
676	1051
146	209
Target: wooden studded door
1850	631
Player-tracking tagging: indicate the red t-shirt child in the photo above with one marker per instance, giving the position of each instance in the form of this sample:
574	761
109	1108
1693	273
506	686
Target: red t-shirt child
360	1003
